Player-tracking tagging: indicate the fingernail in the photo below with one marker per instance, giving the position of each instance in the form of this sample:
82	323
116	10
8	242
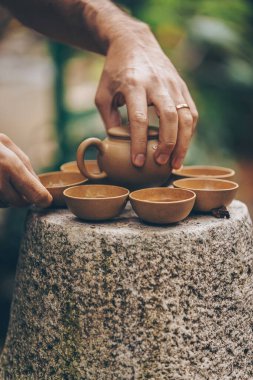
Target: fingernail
177	163
139	160
163	159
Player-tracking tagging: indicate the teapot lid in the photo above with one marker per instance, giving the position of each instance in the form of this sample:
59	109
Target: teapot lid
124	132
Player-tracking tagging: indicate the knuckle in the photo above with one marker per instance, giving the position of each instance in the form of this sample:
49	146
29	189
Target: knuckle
8	161
173	84
131	80
19	167
139	118
162	96
155	79
187	120
4	139
18	164
184	85
170	113
195	115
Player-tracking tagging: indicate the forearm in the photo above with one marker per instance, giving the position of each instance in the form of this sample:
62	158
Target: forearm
87	24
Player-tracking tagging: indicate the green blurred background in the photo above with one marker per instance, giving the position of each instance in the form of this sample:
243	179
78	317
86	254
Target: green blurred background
47	96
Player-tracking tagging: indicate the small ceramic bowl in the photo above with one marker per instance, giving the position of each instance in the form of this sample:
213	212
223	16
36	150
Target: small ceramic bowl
211	193
72	166
96	202
162	205
198	171
57	182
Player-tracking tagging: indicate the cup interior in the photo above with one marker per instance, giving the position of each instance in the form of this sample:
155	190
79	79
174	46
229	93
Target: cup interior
60	179
205	184
162	195
204	171
96	192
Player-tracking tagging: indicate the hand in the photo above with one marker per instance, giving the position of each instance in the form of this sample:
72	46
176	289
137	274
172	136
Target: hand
19	185
137	73
136	70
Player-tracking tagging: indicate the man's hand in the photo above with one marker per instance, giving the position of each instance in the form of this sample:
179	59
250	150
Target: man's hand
137	73
19	185
136	70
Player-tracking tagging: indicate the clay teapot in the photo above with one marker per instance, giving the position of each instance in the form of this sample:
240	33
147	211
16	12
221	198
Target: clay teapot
114	160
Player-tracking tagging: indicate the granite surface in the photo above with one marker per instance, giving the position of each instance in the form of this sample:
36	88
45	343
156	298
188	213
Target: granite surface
124	300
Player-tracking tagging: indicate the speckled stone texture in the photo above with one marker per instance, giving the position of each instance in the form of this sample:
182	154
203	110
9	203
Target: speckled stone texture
125	301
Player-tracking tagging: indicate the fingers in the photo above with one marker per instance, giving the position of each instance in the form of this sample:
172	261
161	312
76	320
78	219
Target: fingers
137	114
18	184
14	148
165	93
185	130
176	126
137	110
191	104
107	109
30	187
9	196
23	157
168	123
188	118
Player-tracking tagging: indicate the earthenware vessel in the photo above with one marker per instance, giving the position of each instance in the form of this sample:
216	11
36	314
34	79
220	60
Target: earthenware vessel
211	193
197	171
71	166
96	202
57	182
114	160
162	205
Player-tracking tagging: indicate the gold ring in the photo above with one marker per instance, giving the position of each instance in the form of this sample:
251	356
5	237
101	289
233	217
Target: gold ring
183	105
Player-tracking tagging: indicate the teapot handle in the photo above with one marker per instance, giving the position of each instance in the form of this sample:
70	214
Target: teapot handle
80	157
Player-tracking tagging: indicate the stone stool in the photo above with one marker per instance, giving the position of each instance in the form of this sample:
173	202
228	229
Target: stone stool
123	300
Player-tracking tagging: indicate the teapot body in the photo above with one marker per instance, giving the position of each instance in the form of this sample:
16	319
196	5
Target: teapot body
115	161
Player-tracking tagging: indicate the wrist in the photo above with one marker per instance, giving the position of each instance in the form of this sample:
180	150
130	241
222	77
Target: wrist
109	24
133	33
